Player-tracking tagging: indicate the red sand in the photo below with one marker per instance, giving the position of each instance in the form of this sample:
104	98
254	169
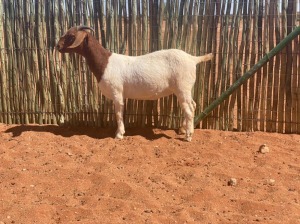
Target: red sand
51	174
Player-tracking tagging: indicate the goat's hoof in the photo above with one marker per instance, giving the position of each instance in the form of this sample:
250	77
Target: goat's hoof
119	136
181	131
188	138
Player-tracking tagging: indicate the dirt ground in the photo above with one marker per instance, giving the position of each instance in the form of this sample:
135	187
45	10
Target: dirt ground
52	174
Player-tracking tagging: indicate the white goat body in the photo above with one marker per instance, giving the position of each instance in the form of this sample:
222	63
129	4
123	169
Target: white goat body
150	76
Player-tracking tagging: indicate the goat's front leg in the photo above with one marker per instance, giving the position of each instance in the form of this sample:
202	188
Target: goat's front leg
119	107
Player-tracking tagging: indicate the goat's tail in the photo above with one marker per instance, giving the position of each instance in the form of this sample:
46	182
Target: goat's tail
203	58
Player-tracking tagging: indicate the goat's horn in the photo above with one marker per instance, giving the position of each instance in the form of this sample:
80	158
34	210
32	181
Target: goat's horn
84	28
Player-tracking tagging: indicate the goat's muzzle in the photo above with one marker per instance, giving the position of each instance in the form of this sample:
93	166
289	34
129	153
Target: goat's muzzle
59	48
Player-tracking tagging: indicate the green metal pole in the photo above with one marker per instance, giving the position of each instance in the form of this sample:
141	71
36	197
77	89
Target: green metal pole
247	75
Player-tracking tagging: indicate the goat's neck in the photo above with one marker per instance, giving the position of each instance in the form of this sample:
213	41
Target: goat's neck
96	56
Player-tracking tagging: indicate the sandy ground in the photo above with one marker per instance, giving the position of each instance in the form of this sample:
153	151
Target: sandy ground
51	174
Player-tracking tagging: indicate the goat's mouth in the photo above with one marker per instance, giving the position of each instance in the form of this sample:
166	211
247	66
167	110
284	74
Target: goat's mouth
59	48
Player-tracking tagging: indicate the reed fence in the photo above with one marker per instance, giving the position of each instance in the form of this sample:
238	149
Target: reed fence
38	86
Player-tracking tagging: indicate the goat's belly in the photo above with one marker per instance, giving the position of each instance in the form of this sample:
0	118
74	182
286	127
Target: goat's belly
138	92
144	93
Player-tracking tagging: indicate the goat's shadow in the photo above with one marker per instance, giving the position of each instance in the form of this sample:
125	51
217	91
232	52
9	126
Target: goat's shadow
92	132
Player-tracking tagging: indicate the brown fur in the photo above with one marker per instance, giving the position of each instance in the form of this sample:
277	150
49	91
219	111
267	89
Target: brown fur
96	56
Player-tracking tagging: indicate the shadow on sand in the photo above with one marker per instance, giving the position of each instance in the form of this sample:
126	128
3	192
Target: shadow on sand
93	132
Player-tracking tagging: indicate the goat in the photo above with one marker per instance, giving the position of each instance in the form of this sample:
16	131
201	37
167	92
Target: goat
146	77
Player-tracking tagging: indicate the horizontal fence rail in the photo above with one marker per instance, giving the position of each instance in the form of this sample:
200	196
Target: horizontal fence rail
40	86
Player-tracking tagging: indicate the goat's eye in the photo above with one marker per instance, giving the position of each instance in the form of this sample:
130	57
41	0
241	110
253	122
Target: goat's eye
69	39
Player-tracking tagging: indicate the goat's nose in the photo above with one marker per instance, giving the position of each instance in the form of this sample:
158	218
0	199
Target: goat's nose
58	46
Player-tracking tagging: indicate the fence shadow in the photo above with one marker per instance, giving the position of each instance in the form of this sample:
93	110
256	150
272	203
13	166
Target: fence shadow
92	132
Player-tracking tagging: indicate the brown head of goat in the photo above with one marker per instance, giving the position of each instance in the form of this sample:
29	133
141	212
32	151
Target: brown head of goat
79	40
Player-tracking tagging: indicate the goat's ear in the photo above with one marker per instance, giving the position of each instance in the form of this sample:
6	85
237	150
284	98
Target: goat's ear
78	39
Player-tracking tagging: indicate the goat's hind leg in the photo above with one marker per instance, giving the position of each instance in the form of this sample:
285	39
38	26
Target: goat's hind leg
188	109
182	129
192	107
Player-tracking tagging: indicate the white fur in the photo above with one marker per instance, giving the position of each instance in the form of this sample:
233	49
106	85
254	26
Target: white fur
150	77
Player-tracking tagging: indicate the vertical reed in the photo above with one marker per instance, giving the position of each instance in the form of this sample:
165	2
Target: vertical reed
282	77
235	98
294	73
273	75
288	71
258	91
